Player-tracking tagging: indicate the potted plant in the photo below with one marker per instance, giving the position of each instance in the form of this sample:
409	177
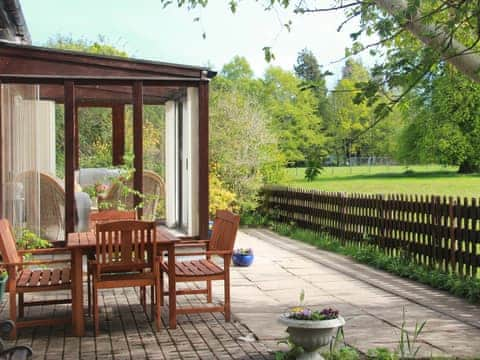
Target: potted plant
243	257
3	283
311	329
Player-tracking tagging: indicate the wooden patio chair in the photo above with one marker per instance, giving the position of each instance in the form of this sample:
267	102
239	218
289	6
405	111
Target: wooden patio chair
124	258
96	218
110	215
221	243
22	280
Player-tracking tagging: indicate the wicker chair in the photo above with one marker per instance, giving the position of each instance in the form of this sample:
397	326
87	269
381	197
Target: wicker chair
153	187
51	207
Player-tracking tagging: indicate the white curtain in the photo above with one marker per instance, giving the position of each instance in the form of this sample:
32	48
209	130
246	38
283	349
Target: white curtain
22	156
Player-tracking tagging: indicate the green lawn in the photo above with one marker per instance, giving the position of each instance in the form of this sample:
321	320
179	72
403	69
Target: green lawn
431	179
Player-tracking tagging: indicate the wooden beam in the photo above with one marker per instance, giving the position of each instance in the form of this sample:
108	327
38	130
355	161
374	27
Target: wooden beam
69	126
203	187
118	134
12	78
77	139
38	60
138	141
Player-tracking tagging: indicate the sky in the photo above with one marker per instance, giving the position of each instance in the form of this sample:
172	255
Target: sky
145	30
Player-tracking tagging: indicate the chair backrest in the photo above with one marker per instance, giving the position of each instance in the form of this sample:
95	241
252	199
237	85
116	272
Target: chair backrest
110	215
224	232
125	244
8	247
52	202
153	188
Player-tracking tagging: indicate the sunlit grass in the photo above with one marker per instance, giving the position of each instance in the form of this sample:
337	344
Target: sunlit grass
425	179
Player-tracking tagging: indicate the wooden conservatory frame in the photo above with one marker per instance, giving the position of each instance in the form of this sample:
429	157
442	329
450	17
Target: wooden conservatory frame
83	80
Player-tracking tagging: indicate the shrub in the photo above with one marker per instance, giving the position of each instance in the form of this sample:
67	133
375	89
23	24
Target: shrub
220	197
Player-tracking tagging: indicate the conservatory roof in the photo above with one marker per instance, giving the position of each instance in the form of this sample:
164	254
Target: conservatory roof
102	80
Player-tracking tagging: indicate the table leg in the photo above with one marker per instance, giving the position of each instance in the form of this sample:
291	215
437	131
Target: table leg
78	321
172	288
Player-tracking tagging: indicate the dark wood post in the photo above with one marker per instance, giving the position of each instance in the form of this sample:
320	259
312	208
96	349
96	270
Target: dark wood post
452	225
77	139
138	141
203	160
2	180
118	133
70	141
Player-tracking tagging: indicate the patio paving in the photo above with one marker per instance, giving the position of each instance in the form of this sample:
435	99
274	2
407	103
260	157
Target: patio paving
371	301
127	333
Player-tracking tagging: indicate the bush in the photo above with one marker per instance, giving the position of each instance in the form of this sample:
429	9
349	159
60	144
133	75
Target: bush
220	197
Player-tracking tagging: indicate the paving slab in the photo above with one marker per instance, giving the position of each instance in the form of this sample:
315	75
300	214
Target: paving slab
371	301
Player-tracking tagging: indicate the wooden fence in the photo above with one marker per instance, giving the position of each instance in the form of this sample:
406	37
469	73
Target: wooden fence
432	230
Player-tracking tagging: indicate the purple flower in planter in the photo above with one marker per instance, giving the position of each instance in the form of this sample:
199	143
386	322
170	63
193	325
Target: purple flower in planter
243	251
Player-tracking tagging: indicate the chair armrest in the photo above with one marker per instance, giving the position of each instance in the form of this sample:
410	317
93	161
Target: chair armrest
213	252
46	251
41	262
190	245
189	238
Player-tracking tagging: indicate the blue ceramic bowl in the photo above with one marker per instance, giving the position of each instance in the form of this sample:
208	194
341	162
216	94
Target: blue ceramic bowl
242	260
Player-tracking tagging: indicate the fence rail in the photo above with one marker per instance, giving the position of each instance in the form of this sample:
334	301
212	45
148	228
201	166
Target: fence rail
432	230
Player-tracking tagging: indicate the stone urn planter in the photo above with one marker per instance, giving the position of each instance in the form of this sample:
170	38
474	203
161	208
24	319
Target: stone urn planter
311	335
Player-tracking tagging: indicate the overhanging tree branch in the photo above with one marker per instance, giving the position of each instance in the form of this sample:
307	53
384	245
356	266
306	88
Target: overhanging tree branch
438	38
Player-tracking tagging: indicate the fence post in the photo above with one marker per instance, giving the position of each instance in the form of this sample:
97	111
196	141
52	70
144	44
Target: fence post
453	225
344	217
435	230
381	221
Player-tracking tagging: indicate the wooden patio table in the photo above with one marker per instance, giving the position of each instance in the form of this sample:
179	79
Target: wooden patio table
82	243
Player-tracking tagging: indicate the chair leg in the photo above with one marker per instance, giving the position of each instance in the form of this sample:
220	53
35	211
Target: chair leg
227	296
158	300
152	301
89	295
96	319
160	288
21	302
13	313
172	301
209	291
143	298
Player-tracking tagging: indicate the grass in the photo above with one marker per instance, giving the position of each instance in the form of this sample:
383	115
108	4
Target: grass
418	179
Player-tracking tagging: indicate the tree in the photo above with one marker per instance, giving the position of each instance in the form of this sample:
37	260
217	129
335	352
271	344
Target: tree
346	118
449	30
445	124
294	115
309	71
243	150
238	68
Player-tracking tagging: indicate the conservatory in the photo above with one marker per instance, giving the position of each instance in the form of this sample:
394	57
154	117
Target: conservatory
157	114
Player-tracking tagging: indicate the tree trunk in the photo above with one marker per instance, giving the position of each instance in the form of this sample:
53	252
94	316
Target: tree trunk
437	38
468	167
